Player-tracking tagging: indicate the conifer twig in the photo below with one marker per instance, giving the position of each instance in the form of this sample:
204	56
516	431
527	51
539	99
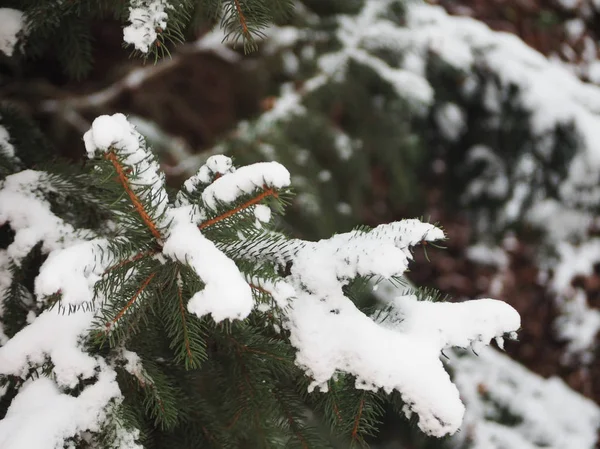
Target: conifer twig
260	289
235	419
336	409
139	207
242	18
183	320
138	256
292	422
357	419
131	301
247	204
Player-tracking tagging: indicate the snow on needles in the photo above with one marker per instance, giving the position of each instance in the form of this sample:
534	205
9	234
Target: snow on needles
332	335
40	416
329	332
145	18
226	294
545	412
115	134
245	180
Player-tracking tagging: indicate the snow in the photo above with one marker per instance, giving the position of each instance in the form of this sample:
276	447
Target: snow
286	107
262	213
575	28
114	134
215	165
6	147
343	208
547	412
343	145
226	294
12	22
146	18
214	41
73	271
42	417
578	323
486	255
245	180
54	335
332	335
451	121
23	206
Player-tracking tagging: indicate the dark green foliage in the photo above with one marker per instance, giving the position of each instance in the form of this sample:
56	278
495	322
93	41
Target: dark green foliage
245	20
63	30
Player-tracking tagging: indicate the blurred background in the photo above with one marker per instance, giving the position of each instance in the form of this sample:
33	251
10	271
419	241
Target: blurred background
482	116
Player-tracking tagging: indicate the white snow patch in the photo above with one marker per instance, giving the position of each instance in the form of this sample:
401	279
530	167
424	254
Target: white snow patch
262	213
146	17
245	180
12	22
548	413
401	353
42	417
226	294
114	134
6	147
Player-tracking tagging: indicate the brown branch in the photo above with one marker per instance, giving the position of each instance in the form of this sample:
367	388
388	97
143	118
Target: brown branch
240	13
357	419
208	434
139	207
335	406
131	260
256	351
243	348
292	422
247	204
182	309
131	301
260	289
235	419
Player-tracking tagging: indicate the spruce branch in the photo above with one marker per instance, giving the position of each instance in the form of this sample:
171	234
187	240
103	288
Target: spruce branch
242	19
131	302
354	434
137	203
126	262
183	318
268	191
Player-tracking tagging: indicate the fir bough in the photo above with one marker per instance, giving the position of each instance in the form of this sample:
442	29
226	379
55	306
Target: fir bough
190	319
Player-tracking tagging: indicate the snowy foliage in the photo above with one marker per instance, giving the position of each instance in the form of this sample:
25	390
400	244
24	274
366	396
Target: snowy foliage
546	412
146	17
475	90
331	335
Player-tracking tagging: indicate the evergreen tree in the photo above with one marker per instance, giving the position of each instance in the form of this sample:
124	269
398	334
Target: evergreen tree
189	319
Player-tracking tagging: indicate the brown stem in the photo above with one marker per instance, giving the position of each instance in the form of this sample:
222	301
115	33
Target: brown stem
131	301
243	23
247	204
139	207
131	260
357	420
182	310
